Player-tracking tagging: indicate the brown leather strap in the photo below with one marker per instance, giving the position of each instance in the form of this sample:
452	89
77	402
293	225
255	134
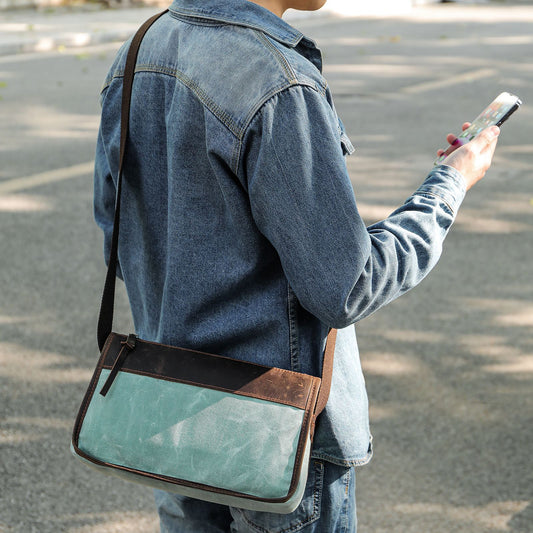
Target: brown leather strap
105	320
327	372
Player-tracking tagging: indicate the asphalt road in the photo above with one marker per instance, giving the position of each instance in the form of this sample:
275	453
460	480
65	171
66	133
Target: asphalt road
449	366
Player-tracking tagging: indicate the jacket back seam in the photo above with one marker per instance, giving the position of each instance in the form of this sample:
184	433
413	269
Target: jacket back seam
200	94
280	58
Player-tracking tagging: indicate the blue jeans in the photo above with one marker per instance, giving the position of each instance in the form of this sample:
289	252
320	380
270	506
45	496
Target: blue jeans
328	506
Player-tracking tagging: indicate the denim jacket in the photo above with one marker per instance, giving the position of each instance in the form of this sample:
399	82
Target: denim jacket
240	233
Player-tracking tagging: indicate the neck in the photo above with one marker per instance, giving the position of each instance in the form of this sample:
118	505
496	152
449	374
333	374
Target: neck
276	6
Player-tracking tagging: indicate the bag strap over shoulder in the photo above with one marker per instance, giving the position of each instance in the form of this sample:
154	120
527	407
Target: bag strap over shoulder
105	319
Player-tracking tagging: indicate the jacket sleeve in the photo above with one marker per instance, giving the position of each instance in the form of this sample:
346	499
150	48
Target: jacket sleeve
104	198
303	202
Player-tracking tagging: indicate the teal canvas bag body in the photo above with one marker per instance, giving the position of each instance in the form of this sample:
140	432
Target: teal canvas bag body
197	424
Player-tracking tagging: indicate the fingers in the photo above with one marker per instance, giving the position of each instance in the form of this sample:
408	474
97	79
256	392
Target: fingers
455	142
474	159
451	138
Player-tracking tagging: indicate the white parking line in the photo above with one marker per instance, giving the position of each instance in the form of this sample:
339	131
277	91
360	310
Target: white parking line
43	178
466	77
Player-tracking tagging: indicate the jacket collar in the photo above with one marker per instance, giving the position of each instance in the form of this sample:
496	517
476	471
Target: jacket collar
242	13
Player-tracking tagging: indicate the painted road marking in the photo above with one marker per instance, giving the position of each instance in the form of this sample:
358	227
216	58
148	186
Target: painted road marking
44	178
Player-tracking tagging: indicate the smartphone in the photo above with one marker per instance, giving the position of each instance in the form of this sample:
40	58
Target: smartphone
493	115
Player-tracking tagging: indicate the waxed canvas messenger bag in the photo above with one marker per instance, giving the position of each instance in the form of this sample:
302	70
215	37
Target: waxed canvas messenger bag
197	424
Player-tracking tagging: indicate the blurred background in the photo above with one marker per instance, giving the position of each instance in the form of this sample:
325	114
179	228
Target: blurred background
449	367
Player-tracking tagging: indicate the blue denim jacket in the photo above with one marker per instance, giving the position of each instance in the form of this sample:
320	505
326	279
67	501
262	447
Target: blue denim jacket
240	233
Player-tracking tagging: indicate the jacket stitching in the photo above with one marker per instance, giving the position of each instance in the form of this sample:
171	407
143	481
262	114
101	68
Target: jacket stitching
198	14
197	21
197	90
202	96
293	330
282	60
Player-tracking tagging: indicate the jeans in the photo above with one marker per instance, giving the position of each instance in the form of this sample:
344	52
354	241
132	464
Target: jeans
328	506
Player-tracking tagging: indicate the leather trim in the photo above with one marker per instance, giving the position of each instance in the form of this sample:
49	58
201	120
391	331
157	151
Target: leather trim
89	393
207	488
213	371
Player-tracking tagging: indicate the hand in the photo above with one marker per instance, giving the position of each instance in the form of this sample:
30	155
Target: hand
473	159
453	141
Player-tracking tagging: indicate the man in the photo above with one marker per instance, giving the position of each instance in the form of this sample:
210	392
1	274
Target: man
241	234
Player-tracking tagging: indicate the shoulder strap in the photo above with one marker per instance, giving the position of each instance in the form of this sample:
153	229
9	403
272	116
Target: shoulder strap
327	372
105	319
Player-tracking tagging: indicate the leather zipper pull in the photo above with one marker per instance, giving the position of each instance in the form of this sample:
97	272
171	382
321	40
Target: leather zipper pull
127	347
